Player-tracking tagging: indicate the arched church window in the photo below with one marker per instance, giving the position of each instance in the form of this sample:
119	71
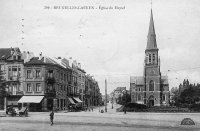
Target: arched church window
153	58
151	85
149	58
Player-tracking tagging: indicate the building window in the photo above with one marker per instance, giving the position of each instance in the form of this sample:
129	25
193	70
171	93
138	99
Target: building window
149	58
2	67
38	73
151	85
14	71
9	71
64	88
64	77
19	71
14	57
14	89
28	87
28	74
61	76
139	98
50	73
153	58
164	97
38	87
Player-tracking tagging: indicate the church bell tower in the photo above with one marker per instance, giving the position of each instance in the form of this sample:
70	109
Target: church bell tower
152	75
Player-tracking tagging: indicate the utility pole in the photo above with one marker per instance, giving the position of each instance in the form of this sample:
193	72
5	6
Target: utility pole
106	95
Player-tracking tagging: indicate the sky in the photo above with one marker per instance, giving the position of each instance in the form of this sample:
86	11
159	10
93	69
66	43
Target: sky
109	43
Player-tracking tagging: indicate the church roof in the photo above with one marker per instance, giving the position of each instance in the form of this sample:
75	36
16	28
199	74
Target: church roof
164	80
151	39
138	80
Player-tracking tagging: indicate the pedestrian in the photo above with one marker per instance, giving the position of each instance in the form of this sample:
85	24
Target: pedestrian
92	108
51	117
124	110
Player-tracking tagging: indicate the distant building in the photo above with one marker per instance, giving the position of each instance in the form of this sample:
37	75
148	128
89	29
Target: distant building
117	93
152	88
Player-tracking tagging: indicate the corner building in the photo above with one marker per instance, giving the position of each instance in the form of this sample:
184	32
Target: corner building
151	89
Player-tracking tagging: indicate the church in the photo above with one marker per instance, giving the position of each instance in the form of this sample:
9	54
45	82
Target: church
151	89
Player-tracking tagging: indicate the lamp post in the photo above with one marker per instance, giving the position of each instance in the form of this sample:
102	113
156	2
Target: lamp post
106	95
112	101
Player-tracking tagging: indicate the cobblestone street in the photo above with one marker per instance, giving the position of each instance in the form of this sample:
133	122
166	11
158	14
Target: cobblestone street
95	121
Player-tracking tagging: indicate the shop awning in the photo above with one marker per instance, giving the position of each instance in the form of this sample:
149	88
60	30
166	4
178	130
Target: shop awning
77	99
31	99
71	101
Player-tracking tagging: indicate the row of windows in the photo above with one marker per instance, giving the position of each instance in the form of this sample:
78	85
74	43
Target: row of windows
16	57
29	87
29	73
14	71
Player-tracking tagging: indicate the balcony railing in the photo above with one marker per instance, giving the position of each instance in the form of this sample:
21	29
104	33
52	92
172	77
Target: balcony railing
50	93
13	78
50	80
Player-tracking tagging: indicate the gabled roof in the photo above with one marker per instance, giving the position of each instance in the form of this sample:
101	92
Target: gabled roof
45	60
35	60
5	53
138	80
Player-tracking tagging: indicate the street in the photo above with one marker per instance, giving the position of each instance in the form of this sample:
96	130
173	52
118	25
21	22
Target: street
96	121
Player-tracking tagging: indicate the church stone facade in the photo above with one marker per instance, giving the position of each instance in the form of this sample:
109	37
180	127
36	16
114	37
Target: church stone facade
151	89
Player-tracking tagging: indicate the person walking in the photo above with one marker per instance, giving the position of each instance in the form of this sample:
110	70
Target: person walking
124	110
51	117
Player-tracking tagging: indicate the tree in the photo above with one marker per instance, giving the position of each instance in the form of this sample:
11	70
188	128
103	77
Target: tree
175	98
125	98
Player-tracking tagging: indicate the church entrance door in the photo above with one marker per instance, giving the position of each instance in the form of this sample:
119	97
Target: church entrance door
151	101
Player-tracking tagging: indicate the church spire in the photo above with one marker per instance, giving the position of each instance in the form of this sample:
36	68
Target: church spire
151	38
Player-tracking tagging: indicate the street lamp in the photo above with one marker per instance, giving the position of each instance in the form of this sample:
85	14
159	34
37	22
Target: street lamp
112	102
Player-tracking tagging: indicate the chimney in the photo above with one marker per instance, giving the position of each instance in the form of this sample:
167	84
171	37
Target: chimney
79	65
40	56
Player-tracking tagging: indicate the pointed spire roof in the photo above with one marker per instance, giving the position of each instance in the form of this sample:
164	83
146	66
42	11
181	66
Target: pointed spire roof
151	38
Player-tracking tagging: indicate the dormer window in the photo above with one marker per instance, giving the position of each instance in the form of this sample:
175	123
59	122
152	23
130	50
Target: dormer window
50	73
19	57
14	57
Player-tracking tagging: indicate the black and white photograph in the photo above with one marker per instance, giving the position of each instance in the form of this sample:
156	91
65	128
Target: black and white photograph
99	65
